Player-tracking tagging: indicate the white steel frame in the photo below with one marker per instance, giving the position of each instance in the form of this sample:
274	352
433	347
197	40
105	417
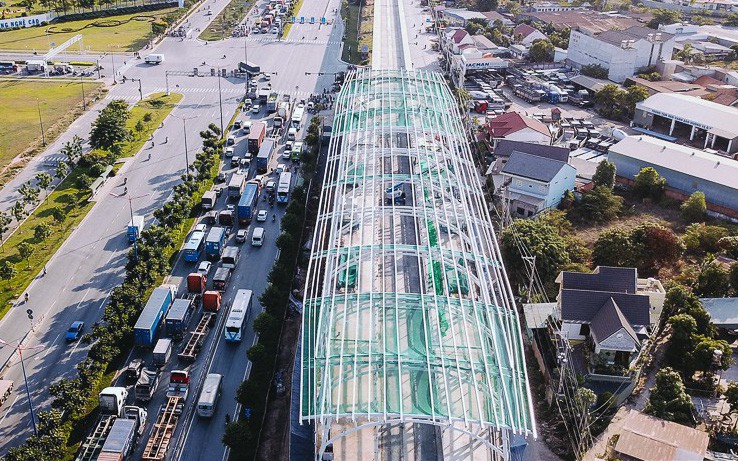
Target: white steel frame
408	312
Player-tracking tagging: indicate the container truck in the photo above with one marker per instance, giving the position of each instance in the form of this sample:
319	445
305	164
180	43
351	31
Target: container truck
146	384
208	200
221	278
179	316
162	352
249	67
247	205
256	137
230	257
112	408
215	242
272	102
144	332
120	441
235	185
169	414
265	154
283	113
135	226
211	301
196	283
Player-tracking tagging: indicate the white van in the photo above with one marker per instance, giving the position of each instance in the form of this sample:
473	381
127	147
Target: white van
291	134
246	127
257	239
209	395
154	59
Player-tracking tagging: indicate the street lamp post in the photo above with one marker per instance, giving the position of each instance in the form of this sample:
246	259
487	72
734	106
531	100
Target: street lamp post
20	350
220	102
184	128
138	231
140	91
82	82
41	122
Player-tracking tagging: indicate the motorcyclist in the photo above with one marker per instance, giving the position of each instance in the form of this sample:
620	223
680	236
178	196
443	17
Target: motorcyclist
274	217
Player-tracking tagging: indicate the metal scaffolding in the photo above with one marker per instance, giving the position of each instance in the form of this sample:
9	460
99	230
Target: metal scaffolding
408	314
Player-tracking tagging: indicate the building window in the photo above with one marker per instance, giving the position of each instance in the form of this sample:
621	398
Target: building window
520	211
584	329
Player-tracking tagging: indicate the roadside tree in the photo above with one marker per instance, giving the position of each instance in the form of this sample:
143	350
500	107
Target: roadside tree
5	220
29	193
41	232
109	128
18	211
669	400
25	250
7	271
43	180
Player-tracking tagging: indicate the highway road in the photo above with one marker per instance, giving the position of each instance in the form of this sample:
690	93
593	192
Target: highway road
90	263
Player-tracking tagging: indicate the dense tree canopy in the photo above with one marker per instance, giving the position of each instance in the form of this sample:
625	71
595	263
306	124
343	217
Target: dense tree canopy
109	128
668	399
541	51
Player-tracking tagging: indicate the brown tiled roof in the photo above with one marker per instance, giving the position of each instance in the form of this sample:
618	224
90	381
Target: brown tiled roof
648	438
512	122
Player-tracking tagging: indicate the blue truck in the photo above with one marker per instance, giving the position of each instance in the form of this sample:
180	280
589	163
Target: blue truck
144	332
215	242
135	226
265	154
247	204
178	316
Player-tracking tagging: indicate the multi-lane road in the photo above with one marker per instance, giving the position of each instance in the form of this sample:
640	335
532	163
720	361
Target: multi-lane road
90	263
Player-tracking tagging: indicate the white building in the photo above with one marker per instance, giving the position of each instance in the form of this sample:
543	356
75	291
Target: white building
622	52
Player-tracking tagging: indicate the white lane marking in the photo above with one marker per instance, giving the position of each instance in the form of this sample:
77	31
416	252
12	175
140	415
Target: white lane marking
9	408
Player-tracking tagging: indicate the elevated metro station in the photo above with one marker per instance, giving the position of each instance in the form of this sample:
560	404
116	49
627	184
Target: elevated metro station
411	344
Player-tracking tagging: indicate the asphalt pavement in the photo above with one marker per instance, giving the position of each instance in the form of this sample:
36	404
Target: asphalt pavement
90	263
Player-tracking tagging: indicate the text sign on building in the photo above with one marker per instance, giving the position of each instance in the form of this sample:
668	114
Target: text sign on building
28	21
678	119
486	64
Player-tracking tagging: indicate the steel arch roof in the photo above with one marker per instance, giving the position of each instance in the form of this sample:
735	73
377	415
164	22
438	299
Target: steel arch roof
408	313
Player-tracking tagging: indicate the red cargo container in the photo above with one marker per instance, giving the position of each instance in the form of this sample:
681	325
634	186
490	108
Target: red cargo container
211	301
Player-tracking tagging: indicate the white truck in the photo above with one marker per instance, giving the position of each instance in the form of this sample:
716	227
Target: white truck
154	59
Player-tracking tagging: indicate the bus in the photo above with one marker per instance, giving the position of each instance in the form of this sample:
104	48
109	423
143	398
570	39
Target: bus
283	189
237	316
209	395
193	247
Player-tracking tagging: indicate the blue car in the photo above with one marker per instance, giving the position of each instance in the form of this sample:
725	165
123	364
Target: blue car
75	331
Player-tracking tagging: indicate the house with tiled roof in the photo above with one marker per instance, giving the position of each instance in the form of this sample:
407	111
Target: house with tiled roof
517	127
609	310
527	34
534	184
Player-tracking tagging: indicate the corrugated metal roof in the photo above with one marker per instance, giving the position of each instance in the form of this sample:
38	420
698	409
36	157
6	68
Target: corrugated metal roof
648	438
723	311
684	159
694	110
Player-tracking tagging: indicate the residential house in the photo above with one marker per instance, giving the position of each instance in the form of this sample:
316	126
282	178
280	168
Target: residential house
647	438
460	17
493	16
526	34
517	127
534	184
622	52
456	40
610	310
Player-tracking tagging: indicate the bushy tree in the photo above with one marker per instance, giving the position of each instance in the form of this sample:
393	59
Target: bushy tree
649	183
713	280
238	436
25	250
729	246
594	71
694	209
41	232
604	174
109	128
664	16
658	246
256	353
700	237
669	400
600	205
541	51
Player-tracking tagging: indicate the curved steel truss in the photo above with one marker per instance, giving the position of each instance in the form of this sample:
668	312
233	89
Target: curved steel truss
408	313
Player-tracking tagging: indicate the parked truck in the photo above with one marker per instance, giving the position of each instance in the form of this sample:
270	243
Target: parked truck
144	332
135	226
271	105
169	414
247	205
256	137
179	316
112	408
196	283
215	242
235	185
221	278
146	384
265	154
211	301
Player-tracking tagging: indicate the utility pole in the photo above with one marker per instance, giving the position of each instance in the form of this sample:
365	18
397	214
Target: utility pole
41	122
82	82
140	91
184	128
20	350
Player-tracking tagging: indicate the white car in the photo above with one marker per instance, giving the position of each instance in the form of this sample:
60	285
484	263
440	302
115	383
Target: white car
231	140
267	77
204	267
202	227
229	152
262	215
275	30
288	150
255	109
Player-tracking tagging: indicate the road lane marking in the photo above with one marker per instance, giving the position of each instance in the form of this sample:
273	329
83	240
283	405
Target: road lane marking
8	410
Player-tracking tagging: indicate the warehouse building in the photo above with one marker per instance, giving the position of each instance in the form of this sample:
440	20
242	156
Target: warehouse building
686	169
710	124
411	342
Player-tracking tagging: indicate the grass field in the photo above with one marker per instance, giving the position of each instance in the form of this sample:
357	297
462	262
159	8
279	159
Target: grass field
222	26
128	32
18	110
73	202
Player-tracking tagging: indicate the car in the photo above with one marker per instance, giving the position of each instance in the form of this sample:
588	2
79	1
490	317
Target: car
267	77
204	268
255	109
221	177
255	30
245	163
252	82
241	235
202	227
280	169
133	370
234	161
231	140
75	330
237	124
275	30
229	151
247	103
288	149
262	215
